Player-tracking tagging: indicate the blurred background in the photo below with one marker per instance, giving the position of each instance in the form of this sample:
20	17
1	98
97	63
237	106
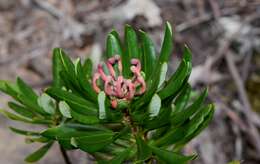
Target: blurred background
224	36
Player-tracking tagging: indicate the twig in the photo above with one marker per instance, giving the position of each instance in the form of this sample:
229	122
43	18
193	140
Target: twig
254	134
215	7
65	155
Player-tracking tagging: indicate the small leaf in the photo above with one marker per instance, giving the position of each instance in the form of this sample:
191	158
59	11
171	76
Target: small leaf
113	46
101	104
83	76
131	42
87	68
171	157
31	104
85	119
131	49
65	132
24	132
9	88
182	99
182	116
37	155
47	103
26	90
64	109
119	159
163	74
143	150
167	45
56	68
149	54
179	78
175	82
14	117
207	117
21	110
154	106
93	143
75	102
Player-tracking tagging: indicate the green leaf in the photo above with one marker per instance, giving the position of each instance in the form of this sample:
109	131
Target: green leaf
84	76
143	150
67	63
179	77
154	106
149	54
182	99
24	132
101	104
87	68
9	88
120	158
30	140
56	68
76	103
198	119
131	49
163	74
184	132
26	90
183	115
171	157
113	46
163	119
167	45
37	155
26	112
176	81
85	119
14	117
96	142
203	120
65	132
47	103
64	109
31	104
131	42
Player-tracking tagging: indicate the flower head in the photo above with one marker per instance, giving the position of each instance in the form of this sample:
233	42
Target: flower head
114	84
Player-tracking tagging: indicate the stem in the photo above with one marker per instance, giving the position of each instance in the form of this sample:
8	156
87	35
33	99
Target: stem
65	155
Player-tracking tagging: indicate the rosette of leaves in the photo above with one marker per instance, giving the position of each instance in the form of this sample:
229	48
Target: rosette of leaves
152	126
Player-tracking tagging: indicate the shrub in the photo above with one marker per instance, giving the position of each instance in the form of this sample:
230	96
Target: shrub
128	110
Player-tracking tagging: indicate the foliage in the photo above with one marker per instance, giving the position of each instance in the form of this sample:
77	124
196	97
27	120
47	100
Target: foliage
151	124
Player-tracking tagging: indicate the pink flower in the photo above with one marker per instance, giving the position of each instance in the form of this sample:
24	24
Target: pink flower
115	85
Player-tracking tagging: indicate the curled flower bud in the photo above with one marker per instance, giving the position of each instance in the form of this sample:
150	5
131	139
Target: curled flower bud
115	85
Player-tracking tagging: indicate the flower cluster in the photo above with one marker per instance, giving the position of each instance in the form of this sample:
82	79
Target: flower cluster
115	85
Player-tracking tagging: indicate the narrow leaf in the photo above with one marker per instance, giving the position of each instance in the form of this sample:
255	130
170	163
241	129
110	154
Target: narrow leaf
149	54
56	68
64	109
47	103
37	155
101	104
171	157
143	150
180	117
26	112
154	106
24	132
113	46
167	45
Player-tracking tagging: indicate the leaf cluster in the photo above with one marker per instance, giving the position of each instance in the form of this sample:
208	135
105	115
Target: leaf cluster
153	126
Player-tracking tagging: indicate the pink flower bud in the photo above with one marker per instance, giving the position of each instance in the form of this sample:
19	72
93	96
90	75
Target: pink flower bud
116	86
